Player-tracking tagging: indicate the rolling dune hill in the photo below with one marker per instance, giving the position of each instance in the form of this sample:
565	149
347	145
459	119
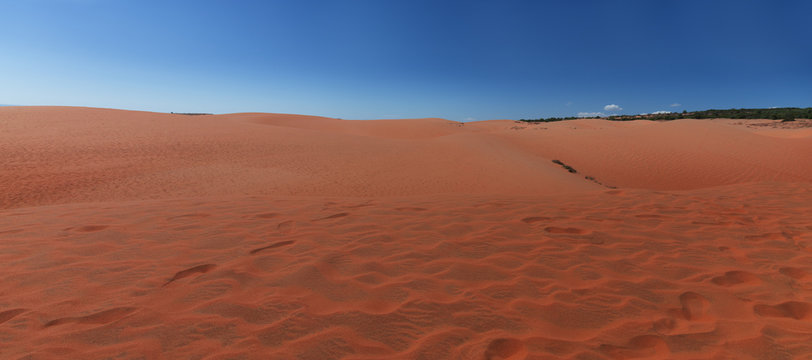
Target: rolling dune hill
133	235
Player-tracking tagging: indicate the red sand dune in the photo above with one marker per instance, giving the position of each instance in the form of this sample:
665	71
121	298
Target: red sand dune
142	235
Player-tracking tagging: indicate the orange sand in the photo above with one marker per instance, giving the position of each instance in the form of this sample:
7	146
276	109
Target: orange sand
265	236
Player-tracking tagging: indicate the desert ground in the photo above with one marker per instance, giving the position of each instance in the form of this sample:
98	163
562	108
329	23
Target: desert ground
138	235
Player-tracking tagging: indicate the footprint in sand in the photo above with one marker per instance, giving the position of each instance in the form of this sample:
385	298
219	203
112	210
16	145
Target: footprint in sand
411	209
102	317
505	349
191	271
285	227
91	228
10	314
334	216
534	219
274	245
766	236
736	277
791	309
565	230
694	306
597	238
664	325
643	346
649	216
358	206
794	273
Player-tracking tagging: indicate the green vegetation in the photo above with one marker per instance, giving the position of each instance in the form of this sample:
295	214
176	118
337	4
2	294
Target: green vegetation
551	119
783	114
565	166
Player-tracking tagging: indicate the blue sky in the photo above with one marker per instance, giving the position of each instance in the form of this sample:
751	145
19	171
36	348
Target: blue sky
365	59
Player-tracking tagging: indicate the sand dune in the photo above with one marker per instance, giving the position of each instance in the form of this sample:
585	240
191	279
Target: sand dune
64	155
144	235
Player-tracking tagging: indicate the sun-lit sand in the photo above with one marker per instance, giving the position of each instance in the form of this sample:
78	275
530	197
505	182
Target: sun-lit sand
131	235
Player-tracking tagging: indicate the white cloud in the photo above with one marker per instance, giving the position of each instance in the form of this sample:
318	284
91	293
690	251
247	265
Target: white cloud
590	114
569	103
470	119
661	112
612	107
675	104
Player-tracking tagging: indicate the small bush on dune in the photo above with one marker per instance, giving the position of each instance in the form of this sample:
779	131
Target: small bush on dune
565	166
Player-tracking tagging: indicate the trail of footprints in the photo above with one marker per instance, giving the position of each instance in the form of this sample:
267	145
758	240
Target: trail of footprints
99	318
273	246
694	306
284	227
201	269
110	315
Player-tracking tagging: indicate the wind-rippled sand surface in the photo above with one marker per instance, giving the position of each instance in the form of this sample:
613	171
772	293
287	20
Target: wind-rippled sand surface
137	235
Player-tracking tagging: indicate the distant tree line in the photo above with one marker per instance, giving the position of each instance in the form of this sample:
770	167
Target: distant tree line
181	113
552	119
784	114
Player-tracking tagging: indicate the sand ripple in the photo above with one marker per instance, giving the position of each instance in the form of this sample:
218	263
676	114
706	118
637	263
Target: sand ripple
717	273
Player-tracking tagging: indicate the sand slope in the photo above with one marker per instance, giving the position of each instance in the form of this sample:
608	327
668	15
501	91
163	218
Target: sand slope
63	155
141	235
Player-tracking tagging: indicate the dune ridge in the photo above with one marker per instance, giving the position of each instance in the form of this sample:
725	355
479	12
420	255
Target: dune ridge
64	155
138	235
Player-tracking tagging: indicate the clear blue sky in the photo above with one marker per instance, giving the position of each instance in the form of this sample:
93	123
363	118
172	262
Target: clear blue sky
363	59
